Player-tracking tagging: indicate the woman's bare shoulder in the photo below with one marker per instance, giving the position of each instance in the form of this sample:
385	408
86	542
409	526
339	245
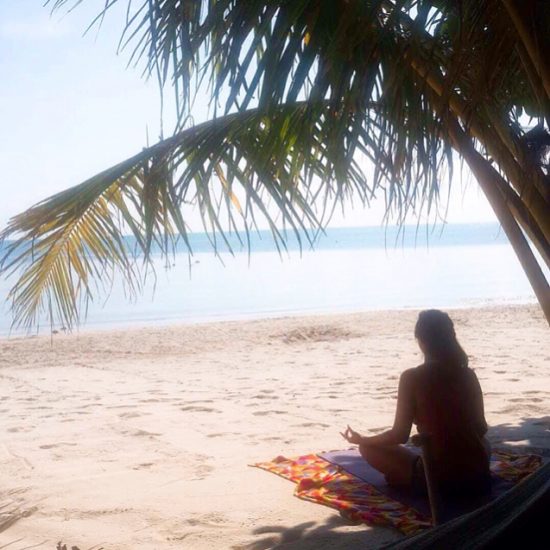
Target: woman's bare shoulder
414	371
412	374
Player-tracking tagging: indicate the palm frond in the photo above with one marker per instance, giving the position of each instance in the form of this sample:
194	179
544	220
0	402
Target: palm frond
284	156
72	243
310	91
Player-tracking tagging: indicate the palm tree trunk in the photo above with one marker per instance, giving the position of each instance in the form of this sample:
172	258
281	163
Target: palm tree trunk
511	151
526	221
531	189
487	176
519	163
528	203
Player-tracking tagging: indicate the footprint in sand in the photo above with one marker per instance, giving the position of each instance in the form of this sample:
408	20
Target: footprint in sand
264	396
83	514
194	408
143	466
21	429
56	445
312	425
264	413
130	415
377	430
202	471
143	433
207	520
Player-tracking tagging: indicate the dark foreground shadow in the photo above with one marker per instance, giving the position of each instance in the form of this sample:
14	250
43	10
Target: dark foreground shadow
532	435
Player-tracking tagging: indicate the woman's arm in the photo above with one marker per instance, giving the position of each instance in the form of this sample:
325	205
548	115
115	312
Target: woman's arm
478	408
404	413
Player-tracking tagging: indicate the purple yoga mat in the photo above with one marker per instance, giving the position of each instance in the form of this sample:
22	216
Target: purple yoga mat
351	461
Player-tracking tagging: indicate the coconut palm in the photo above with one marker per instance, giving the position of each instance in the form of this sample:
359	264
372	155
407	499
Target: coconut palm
307	95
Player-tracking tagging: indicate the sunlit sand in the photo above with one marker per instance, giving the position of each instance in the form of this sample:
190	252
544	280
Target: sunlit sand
142	438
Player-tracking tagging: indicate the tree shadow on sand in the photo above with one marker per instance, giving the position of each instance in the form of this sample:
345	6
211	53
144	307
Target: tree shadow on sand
531	435
334	533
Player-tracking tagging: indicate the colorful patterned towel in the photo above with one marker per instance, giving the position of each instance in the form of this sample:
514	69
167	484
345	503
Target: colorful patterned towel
325	483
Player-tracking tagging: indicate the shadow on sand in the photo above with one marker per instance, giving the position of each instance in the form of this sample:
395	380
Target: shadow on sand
532	435
335	533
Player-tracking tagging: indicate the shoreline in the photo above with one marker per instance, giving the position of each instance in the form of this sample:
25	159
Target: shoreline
142	438
100	327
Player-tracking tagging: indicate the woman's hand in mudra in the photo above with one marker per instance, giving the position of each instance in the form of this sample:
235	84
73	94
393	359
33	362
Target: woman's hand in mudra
352	436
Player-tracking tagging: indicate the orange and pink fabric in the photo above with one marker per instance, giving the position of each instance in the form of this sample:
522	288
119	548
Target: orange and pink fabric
320	481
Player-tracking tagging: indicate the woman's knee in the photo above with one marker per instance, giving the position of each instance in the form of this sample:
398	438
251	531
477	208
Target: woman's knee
394	462
364	450
371	454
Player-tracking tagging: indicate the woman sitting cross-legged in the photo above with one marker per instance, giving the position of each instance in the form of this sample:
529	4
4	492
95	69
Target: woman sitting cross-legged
443	398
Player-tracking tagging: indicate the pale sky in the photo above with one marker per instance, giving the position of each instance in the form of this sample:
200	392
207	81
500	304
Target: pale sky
70	108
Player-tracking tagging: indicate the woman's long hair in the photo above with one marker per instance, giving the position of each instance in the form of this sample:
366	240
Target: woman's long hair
437	332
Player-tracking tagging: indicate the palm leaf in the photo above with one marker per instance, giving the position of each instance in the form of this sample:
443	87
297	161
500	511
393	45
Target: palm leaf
76	235
311	90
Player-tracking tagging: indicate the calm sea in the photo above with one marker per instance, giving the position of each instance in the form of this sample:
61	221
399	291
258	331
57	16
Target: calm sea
350	269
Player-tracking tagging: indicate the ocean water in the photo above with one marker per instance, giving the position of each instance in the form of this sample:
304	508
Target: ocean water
348	270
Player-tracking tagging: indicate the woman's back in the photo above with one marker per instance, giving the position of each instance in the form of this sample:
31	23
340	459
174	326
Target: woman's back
448	405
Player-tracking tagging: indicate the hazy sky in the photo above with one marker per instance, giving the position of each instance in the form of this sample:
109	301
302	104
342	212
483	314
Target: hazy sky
70	108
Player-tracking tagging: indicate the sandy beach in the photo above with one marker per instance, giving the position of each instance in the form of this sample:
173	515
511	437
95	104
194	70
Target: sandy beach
142	438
